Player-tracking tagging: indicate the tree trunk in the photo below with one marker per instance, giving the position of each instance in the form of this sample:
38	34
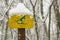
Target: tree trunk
57	14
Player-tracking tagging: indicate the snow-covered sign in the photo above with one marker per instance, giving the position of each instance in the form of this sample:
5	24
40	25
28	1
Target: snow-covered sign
20	17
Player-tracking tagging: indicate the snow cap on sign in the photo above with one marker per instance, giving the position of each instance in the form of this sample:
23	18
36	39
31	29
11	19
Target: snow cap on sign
20	9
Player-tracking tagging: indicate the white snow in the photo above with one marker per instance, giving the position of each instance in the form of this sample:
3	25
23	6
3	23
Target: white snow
20	9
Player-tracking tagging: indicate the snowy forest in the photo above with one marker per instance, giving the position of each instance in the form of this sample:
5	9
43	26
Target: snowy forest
46	19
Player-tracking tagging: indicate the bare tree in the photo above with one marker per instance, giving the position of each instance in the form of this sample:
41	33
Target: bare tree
33	6
49	20
57	14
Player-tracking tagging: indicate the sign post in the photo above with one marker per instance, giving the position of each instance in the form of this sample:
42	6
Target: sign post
21	18
21	33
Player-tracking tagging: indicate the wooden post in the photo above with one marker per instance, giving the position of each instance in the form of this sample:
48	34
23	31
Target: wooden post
21	33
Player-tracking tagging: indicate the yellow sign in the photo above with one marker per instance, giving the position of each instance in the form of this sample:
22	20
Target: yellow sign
20	17
21	21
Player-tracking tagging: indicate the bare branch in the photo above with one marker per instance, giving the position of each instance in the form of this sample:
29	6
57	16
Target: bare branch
31	2
9	6
52	3
47	13
8	9
6	2
35	3
42	8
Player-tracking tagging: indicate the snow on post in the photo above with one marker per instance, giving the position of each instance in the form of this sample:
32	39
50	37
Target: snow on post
20	9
